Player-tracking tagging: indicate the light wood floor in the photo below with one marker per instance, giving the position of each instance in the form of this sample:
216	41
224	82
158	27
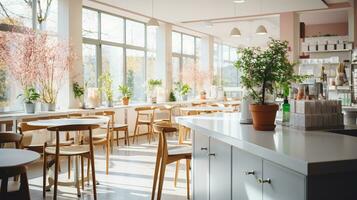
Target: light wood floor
130	175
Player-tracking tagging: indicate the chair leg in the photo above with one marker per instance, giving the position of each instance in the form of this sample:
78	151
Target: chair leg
176	172
161	178
56	175
25	186
69	166
135	131
44	173
94	182
118	138
188	161
127	137
107	159
82	172
77	176
88	172
148	136
156	173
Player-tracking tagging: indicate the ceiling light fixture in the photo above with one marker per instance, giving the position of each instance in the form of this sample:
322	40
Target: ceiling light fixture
235	32
152	21
238	1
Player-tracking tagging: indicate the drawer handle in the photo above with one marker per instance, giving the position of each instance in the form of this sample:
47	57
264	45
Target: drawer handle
249	172
204	149
212	154
262	181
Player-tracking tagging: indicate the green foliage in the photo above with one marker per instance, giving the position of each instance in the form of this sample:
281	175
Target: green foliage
106	85
125	91
153	83
266	71
30	95
182	88
172	96
78	90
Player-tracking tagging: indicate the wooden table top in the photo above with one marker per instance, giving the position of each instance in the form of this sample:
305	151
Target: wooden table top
17	157
66	122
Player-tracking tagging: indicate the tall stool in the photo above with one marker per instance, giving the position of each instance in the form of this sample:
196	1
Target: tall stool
114	127
17	190
74	150
149	113
166	156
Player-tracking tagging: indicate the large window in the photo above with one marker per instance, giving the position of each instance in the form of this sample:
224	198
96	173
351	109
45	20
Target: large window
185	59
225	74
124	47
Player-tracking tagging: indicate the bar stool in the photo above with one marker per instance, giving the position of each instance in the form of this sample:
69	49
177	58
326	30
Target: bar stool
74	150
166	156
149	113
116	127
13	189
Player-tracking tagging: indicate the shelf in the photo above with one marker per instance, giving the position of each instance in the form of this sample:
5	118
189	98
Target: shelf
329	51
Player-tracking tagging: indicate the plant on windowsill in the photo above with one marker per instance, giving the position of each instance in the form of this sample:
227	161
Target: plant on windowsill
78	92
262	72
172	97
30	97
106	82
153	85
126	94
183	89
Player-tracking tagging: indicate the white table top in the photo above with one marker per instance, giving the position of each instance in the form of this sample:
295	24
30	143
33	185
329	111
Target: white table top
307	152
65	122
17	157
205	109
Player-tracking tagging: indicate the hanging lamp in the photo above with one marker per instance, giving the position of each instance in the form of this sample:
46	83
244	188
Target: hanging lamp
235	32
152	21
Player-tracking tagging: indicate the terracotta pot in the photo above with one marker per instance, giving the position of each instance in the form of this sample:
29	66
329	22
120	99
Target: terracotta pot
263	116
125	101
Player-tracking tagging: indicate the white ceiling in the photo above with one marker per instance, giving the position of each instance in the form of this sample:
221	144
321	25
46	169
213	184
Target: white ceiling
181	12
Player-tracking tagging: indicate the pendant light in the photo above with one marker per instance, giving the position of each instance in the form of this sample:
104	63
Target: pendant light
261	30
235	32
153	22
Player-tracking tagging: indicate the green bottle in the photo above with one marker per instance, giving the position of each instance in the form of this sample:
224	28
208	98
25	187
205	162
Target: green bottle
286	111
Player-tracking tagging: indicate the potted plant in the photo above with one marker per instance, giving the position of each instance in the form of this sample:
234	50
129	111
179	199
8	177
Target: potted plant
30	96
203	94
172	97
153	85
78	92
106	86
262	71
126	93
183	89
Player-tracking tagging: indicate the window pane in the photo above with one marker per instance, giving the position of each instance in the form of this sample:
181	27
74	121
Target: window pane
112	62
19	11
49	12
151	38
135	74
112	28
135	33
151	67
188	44
90	65
176	42
233	54
175	69
225	52
188	71
90	23
230	76
198	46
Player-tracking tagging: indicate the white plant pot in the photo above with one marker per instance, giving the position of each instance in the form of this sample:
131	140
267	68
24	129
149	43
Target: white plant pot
30	108
52	107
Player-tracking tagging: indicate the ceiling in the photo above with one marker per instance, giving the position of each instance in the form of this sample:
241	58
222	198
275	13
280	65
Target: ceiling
194	15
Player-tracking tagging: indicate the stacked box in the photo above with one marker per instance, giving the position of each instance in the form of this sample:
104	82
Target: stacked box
316	114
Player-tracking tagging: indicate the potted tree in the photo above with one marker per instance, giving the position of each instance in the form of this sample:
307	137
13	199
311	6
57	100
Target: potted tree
106	86
183	89
262	71
153	85
30	96
126	94
78	92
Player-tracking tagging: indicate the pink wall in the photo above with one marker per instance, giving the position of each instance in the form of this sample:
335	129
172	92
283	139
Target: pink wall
339	29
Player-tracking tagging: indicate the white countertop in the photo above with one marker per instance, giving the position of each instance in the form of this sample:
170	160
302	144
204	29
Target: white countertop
307	152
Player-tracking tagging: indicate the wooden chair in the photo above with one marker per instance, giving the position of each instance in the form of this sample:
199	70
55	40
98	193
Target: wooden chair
167	109
74	150
149	113
166	156
116	127
199	104
13	189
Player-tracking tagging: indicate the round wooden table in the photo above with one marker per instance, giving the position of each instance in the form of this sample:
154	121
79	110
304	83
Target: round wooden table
17	157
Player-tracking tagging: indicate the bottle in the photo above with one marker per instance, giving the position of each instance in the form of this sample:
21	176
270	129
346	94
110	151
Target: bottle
286	111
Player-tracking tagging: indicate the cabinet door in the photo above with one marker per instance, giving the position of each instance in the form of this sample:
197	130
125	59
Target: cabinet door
246	169
284	183
200	167
220	170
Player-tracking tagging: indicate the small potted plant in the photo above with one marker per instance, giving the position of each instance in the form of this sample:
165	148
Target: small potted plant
78	92
106	87
183	89
30	96
172	97
126	94
262	71
153	85
203	94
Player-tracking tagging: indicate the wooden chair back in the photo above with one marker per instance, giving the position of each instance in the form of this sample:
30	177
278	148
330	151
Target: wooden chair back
10	138
146	111
25	130
198	104
167	109
162	128
110	114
